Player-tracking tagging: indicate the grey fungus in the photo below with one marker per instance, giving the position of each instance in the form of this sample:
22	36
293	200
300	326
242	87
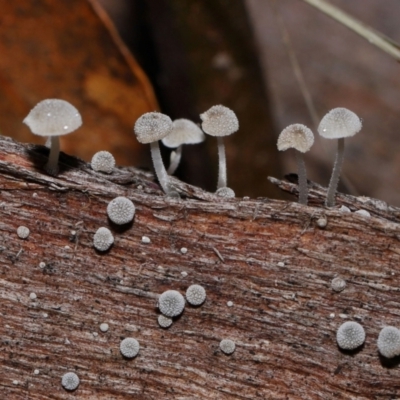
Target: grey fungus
164	322
104	327
220	121
184	250
300	138
150	128
33	296
70	381
171	303
338	284
53	118
146	239
350	335
103	161
225	192
338	123
103	239
389	342
363	213
129	347
196	295
23	232
227	346
121	210
184	132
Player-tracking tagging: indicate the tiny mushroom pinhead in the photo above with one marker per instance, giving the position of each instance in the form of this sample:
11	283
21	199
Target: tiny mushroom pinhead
350	335
220	121
121	210
300	138
184	132
129	347
389	342
338	123
70	381
103	161
227	346
53	118
150	128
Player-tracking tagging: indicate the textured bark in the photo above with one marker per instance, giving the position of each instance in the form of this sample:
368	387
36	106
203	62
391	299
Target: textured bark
268	257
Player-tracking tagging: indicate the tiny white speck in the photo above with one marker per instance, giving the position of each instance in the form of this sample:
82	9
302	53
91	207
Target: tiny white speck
246	198
229	303
104	327
36	372
67	247
364	213
45	315
322	222
392	273
73	233
145	239
343	316
184	250
184	273
140	187
66	341
65	126
15	382
42	264
49	114
33	296
331	315
160	268
344	209
95	334
34	194
280	264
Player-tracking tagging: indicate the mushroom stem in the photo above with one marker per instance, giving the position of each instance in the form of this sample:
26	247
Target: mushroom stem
161	172
222	179
330	196
302	175
52	164
175	160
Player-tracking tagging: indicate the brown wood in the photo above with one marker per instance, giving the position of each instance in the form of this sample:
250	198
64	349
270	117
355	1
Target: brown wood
266	256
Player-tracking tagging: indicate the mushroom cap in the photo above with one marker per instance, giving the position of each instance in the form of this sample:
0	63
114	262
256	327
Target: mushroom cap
219	121
227	346
296	136
196	295
389	341
171	303
103	161
152	126
70	381
121	210
184	132
129	347
103	239
350	335
53	117
339	123
164	322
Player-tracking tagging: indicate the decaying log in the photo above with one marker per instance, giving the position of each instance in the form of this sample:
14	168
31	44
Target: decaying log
268	257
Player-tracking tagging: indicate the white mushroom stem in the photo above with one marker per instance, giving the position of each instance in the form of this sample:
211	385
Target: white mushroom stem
175	160
52	164
222	180
161	172
302	176
330	197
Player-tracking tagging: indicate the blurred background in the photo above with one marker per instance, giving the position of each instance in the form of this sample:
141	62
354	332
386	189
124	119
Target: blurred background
116	59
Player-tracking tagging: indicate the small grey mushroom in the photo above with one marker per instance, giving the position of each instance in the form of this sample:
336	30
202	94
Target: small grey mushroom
103	161
53	118
300	138
338	123
220	121
184	132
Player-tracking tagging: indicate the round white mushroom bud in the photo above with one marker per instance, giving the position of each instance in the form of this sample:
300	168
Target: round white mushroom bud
129	347
103	239
225	192
164	322
338	123
338	284
53	118
150	128
300	138
171	303
227	346
363	213
23	232
104	327
350	335
389	342
70	381
121	210
103	161
220	121
195	295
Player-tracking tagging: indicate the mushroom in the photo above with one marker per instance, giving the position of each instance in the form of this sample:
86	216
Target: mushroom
300	138
338	123
53	118
184	132
129	347
196	295
389	342
220	121
350	335
171	303
150	128
227	346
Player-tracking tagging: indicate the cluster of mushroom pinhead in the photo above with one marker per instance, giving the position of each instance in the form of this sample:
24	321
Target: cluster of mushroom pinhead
338	123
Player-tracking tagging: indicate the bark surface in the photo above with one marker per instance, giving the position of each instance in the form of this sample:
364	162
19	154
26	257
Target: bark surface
269	257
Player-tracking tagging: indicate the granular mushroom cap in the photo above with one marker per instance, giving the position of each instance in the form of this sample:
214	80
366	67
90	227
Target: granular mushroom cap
152	126
23	232
184	132
338	284
296	136
350	335
70	381
121	210
103	161
227	346
103	239
164	322
171	303
339	123
219	121
389	342
129	347
195	295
